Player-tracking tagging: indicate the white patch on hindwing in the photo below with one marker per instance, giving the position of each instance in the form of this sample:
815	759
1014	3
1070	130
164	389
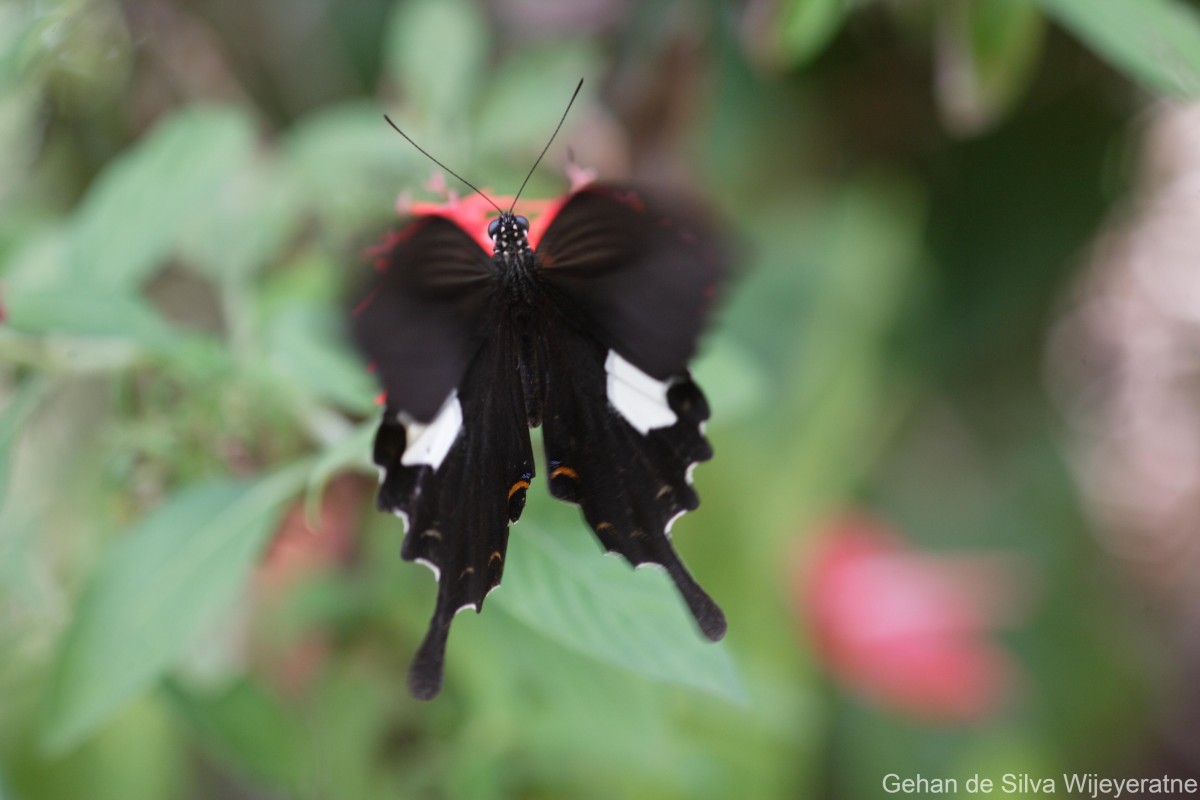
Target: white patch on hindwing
640	399
428	443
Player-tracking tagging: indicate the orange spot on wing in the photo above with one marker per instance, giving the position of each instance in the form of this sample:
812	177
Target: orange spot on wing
516	487
570	473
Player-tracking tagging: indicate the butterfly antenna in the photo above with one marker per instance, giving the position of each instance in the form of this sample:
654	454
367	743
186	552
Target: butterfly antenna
443	166
547	147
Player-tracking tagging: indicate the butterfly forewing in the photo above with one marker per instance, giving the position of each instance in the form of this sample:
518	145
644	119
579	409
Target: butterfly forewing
426	313
642	268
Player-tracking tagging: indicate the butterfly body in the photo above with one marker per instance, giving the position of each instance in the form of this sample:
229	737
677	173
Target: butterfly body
587	334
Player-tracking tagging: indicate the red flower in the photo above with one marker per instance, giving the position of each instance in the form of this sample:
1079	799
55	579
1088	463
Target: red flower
473	212
907	630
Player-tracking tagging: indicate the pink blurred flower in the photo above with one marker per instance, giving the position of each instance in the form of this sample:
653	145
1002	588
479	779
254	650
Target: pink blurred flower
473	212
907	630
303	546
302	550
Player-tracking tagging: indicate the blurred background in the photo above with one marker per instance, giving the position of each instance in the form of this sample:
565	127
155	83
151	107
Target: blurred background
954	508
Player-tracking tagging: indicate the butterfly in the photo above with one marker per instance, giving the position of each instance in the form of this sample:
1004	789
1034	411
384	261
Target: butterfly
586	330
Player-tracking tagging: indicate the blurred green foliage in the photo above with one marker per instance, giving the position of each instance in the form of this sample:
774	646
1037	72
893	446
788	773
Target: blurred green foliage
184	189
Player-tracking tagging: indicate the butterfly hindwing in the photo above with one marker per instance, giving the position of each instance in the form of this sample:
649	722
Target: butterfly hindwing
459	496
632	276
626	464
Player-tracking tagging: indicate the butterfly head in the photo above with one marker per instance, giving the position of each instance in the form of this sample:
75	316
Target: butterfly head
508	233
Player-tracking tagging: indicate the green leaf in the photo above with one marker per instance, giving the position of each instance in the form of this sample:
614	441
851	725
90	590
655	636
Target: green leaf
140	756
256	213
353	452
804	27
37	259
435	52
77	328
246	727
733	380
86	311
987	51
562	587
16	25
303	348
846	404
350	163
526	99
17	409
155	590
350	138
1156	42
140	205
20	109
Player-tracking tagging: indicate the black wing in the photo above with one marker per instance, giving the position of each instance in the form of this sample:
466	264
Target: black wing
424	317
631	484
632	276
453	445
641	268
458	482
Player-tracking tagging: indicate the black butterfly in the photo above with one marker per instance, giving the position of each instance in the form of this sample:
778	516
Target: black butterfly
589	336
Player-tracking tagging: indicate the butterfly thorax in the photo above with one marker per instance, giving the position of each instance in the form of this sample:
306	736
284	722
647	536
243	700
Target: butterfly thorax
513	258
